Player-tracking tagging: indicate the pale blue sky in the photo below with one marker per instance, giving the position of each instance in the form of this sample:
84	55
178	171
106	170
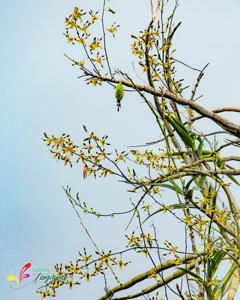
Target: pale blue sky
39	92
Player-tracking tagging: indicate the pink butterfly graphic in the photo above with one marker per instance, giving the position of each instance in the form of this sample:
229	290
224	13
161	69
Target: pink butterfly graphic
21	274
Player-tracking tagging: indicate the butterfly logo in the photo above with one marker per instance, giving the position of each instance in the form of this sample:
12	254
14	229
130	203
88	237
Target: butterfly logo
22	274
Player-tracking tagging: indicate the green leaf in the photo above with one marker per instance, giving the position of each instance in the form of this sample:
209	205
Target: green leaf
206	152
192	274
190	182
174	187
233	179
181	205
224	282
200	146
171	206
201	180
182	131
214	263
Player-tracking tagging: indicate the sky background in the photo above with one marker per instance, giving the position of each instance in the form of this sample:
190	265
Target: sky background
40	92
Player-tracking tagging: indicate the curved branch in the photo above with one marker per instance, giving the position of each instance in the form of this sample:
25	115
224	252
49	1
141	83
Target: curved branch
145	275
222	122
159	283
